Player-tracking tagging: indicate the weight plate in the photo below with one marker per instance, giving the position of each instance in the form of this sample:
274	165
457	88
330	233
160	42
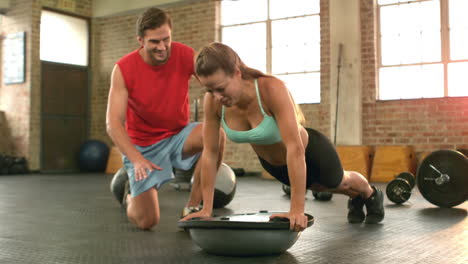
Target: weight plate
442	178
409	177
464	151
398	190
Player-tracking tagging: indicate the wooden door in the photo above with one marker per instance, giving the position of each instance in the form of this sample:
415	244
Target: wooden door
64	115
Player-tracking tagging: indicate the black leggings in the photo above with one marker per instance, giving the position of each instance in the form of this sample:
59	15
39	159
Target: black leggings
322	162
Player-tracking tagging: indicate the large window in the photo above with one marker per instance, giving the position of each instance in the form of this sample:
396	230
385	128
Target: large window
64	39
423	49
277	37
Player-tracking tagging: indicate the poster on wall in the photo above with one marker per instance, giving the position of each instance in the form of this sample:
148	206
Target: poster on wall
14	58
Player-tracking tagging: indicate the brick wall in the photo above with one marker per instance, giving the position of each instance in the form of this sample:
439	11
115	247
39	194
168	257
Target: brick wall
426	124
322	111
6	142
35	90
21	102
77	7
15	98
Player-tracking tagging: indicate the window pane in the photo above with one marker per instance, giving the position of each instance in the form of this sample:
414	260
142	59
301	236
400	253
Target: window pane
292	52
304	88
278	8
421	81
458	29
64	39
457	9
253	54
459	44
410	33
243	11
458	79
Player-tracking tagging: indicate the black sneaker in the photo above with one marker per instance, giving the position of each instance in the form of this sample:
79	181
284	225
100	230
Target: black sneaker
126	193
119	185
374	206
356	212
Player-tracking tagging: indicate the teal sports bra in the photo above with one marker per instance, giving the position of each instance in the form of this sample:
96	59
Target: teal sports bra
266	133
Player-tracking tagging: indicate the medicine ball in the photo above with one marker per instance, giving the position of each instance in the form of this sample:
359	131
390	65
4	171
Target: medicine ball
92	156
225	186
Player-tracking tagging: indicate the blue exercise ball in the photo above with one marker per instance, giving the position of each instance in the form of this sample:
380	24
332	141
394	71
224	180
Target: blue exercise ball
92	156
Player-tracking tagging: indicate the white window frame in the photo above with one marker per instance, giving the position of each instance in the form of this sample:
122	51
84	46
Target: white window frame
445	45
71	45
269	45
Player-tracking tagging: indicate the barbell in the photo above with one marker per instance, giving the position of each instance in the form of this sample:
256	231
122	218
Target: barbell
442	179
399	189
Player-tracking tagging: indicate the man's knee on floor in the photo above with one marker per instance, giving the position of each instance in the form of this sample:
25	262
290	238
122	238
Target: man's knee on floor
143	220
147	222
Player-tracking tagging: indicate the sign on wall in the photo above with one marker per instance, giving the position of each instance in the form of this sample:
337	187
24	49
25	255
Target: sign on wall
14	58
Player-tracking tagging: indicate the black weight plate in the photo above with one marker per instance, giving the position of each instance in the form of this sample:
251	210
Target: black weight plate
398	190
451	193
464	151
409	177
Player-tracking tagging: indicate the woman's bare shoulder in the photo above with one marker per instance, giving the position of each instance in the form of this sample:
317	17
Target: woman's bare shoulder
269	83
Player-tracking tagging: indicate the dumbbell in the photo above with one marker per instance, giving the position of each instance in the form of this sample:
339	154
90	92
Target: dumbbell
399	189
321	196
287	189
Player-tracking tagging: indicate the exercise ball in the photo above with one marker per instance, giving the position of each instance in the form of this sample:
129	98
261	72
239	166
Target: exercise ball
92	156
225	186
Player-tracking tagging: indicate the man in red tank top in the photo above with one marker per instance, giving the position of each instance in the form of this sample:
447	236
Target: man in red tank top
148	116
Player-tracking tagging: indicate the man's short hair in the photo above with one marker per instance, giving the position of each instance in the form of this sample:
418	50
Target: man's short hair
152	18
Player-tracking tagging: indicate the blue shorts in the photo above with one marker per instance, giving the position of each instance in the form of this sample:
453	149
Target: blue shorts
167	154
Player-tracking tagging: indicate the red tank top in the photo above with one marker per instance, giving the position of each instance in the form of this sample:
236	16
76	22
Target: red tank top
158	105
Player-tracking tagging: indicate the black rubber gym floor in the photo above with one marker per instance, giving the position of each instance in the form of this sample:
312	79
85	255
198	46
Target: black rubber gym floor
74	219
